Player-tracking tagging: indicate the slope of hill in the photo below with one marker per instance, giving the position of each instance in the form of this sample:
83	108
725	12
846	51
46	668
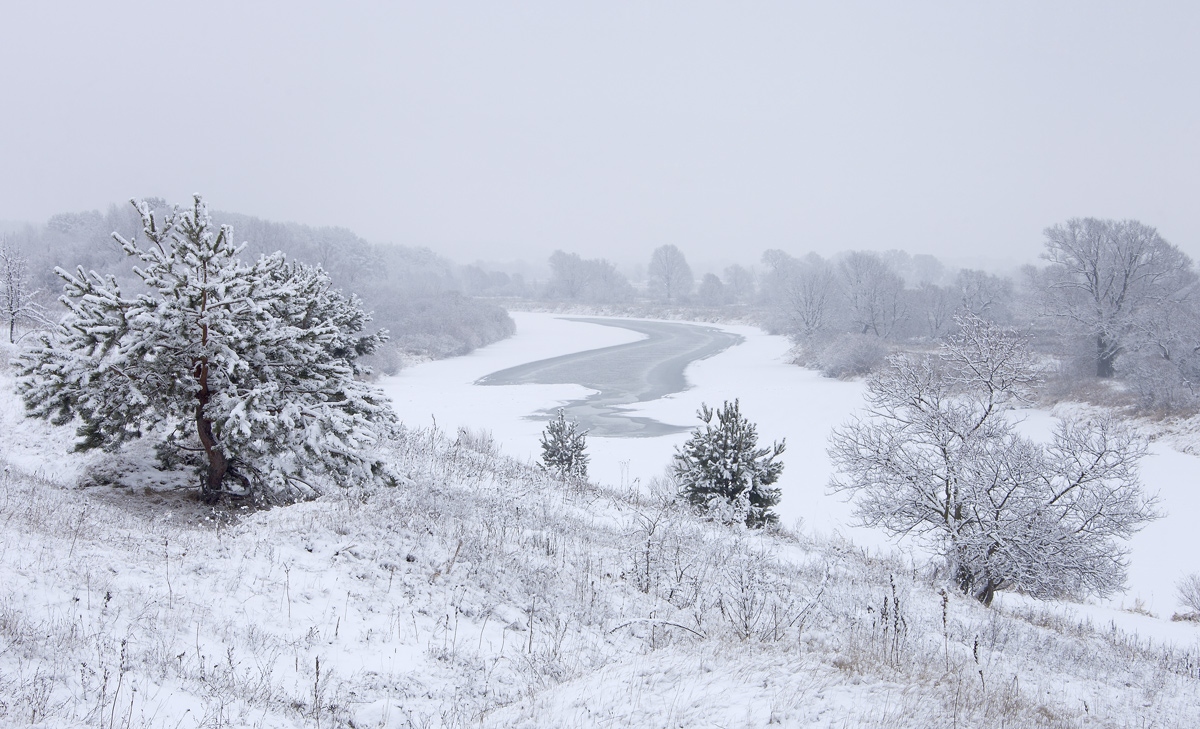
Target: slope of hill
481	593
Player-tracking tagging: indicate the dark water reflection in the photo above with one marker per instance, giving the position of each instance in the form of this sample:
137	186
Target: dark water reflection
623	374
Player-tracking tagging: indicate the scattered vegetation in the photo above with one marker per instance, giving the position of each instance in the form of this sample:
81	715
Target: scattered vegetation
482	593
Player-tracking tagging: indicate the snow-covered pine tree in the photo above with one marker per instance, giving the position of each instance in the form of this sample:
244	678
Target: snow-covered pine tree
563	446
251	364
722	468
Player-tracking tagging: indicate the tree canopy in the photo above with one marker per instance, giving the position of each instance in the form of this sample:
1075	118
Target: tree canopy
1110	278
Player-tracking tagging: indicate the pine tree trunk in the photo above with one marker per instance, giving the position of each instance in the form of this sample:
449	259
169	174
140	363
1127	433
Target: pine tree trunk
210	488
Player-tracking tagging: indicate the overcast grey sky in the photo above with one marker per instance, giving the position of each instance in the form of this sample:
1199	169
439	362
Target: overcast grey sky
504	130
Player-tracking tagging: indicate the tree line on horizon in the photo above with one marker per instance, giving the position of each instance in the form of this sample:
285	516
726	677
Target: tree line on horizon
1112	301
415	294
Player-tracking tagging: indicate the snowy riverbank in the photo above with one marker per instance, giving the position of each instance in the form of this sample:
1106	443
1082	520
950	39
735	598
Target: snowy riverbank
786	402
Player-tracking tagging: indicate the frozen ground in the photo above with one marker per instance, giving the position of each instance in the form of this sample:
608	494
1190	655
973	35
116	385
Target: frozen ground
786	402
481	593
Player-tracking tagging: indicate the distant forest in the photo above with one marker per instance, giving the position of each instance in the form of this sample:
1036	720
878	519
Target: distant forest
413	293
1113	309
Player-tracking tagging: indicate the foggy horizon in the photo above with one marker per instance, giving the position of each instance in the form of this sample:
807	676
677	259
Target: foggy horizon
503	134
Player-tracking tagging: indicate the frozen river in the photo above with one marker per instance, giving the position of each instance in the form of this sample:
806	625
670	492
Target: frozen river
623	374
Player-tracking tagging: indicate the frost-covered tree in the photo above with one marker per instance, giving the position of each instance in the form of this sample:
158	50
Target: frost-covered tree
874	293
721	468
670	275
1105	276
18	303
800	293
739	281
1161	362
594	280
712	291
564	448
984	295
251	365
936	457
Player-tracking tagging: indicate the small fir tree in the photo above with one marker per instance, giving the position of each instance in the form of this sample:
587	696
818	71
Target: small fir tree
722	469
251	365
563	446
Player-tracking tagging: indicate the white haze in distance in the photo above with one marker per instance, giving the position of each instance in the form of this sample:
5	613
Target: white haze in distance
499	131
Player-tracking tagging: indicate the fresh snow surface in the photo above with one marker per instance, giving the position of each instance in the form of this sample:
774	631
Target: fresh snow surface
482	593
785	401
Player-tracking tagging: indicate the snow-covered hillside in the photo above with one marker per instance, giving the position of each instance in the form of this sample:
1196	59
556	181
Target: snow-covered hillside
481	593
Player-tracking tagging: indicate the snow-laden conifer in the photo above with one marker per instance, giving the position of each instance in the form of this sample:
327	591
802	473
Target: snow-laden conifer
563	448
721	468
251	365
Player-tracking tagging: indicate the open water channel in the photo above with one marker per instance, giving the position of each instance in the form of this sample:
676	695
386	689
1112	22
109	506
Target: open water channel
624	374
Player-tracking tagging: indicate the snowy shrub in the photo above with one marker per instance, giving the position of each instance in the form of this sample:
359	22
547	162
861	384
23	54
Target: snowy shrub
1187	590
563	446
441	324
486	596
1159	383
850	355
252	364
721	469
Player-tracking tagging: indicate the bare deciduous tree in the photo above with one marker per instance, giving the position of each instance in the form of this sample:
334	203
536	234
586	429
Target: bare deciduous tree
810	294
801	292
1104	275
873	293
984	295
938	306
935	457
739	280
17	299
586	279
712	291
670	275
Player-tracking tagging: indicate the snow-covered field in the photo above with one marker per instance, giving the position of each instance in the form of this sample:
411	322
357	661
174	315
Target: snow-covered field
481	593
786	402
